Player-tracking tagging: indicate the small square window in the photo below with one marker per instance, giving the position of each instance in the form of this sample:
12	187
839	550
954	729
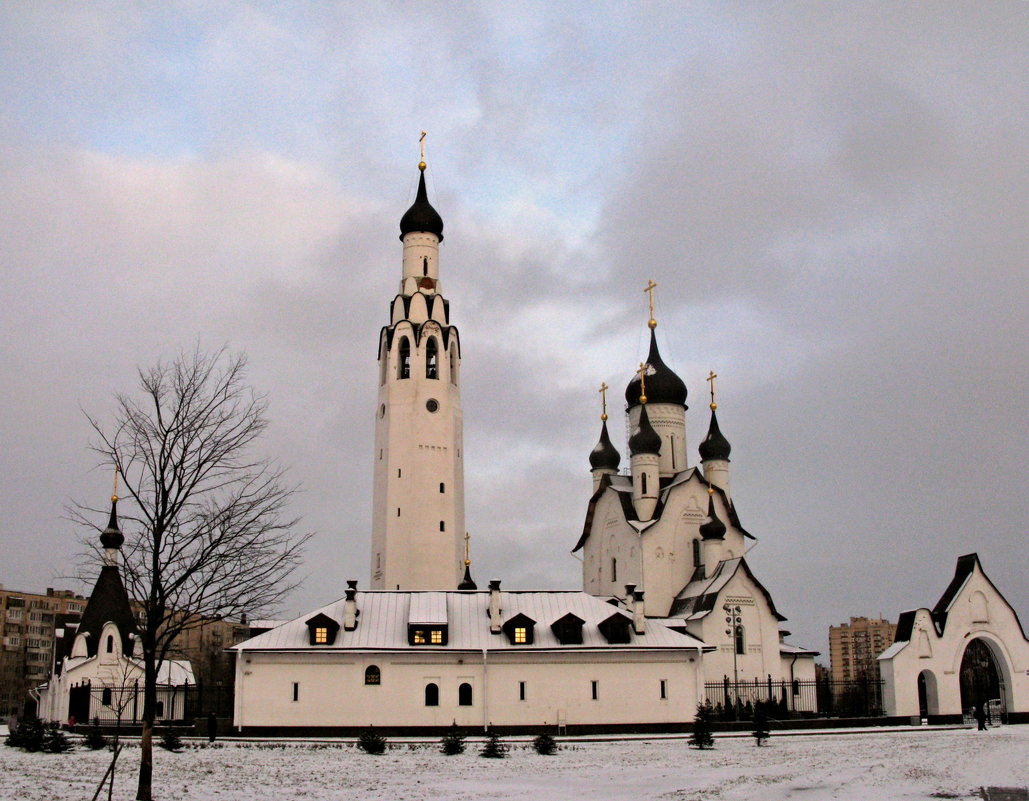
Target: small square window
436	637
520	634
419	637
321	635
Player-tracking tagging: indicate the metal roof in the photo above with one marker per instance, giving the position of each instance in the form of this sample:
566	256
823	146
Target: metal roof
384	616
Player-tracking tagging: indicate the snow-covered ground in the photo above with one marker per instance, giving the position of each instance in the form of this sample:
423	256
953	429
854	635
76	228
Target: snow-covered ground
880	765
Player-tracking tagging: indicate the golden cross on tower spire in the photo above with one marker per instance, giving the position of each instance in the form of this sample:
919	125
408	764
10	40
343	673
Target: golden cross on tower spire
643	382
603	400
649	289
114	492
711	380
467	547
421	143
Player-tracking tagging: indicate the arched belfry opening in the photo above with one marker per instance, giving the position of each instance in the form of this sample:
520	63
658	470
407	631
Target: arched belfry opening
431	358
404	358
980	675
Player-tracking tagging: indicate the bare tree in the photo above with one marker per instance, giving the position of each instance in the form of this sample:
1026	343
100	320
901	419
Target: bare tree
207	534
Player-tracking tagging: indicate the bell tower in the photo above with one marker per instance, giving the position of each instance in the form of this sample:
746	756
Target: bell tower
418	497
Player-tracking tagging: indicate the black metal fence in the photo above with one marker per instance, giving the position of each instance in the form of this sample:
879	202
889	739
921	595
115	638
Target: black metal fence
735	700
180	704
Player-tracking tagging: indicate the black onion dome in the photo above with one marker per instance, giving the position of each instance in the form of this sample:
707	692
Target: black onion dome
645	439
713	529
421	216
604	456
111	537
663	385
715	445
467	584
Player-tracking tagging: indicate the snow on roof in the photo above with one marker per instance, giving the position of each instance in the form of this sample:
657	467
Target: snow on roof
386	614
428	607
893	650
789	648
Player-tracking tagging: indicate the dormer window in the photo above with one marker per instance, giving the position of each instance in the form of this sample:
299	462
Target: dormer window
568	629
520	629
427	635
322	630
616	629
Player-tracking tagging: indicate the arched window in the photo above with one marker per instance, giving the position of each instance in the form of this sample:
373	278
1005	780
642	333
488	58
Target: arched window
442	525
404	360
431	694
614	569
425	265
453	364
431	359
696	553
464	695
741	645
110	643
643	483
372	675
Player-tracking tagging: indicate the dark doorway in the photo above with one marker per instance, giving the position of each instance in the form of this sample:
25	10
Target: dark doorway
980	678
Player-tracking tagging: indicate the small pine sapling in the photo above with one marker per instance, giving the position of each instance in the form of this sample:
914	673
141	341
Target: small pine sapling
371	742
170	740
761	732
95	739
544	744
29	736
493	748
55	741
452	742
701	736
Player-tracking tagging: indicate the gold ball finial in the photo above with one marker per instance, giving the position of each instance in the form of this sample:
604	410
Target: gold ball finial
603	417
421	166
114	499
643	398
652	323
467	562
710	491
713	406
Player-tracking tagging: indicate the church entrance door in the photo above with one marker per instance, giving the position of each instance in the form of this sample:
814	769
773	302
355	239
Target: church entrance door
980	678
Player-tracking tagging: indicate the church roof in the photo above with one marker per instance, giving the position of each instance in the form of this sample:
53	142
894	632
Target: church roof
700	596
644	439
622	487
386	614
604	455
421	216
663	385
108	603
715	445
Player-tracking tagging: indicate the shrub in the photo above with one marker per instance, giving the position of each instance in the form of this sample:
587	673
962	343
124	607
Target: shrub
493	748
29	735
95	739
170	740
371	742
544	744
701	736
452	742
55	741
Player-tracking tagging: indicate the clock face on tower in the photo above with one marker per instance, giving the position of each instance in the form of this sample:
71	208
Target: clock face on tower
432	405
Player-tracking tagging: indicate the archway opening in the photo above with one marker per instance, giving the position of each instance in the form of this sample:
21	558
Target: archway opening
928	700
979	676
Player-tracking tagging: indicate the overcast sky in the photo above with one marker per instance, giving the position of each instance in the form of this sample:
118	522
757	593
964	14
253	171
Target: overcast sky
832	199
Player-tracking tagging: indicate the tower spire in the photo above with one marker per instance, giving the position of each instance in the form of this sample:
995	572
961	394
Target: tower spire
111	537
467	583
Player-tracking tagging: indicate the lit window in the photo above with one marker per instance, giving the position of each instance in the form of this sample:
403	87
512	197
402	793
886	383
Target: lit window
372	675
321	635
436	637
520	635
419	637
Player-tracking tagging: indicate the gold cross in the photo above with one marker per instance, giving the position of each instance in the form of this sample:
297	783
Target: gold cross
643	382
114	492
711	380
467	547
603	400
421	143
649	289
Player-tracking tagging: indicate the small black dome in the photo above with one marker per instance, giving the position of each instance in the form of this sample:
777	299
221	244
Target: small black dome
644	439
663	385
713	529
715	445
467	584
111	537
604	455
421	216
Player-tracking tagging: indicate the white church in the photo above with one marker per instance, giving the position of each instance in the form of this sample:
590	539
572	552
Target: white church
668	600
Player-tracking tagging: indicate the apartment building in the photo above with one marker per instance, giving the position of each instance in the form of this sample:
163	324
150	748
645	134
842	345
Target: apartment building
854	646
